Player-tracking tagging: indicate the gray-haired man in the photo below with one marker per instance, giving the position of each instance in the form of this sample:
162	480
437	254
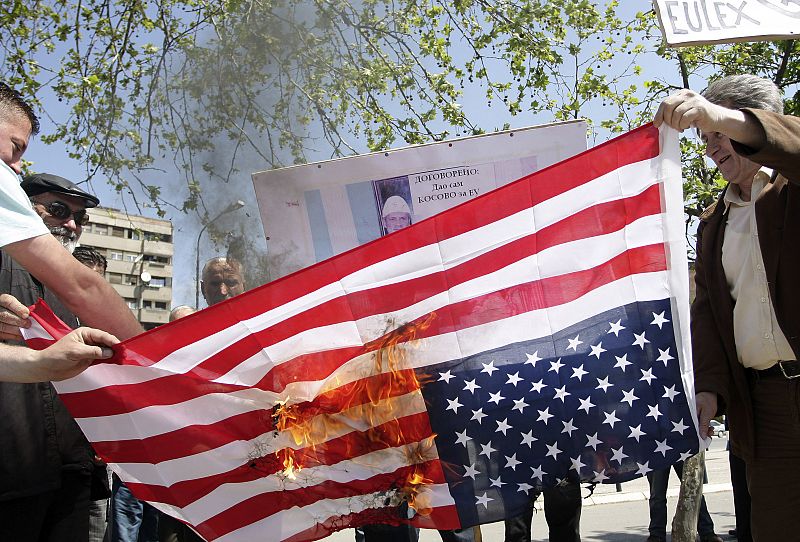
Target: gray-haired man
746	316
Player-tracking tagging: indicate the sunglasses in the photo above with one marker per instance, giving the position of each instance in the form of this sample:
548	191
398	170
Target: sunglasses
62	211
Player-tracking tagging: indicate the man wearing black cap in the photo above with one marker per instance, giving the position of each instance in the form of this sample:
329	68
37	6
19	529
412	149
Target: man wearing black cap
48	473
61	204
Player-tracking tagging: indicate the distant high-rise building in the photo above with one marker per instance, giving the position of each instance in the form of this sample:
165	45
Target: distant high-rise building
139	252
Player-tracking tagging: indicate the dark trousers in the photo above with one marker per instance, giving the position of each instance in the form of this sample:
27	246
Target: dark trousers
659	480
470	534
562	510
172	530
61	515
388	533
773	476
741	497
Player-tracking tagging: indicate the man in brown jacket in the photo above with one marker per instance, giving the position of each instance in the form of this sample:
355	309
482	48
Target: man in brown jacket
746	316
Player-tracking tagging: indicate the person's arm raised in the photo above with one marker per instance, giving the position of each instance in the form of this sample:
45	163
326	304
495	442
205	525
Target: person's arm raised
688	109
85	293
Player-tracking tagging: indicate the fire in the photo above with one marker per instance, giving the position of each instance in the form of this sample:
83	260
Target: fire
412	488
289	468
367	405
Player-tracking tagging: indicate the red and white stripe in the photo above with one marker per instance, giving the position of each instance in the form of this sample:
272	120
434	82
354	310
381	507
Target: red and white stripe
186	412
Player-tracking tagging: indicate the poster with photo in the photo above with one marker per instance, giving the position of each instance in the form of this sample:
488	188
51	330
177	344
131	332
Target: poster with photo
395	204
314	211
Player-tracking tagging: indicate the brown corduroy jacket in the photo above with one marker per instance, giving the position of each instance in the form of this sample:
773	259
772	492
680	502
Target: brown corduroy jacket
777	208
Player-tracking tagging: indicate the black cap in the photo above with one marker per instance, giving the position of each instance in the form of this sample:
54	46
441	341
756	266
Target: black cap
39	183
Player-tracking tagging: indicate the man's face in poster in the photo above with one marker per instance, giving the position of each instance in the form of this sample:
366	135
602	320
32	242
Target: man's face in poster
396	214
396	221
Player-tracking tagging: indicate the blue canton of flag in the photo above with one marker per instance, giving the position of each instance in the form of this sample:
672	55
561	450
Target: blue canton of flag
602	400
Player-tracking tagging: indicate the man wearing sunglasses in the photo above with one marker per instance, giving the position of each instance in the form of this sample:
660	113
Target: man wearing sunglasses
61	204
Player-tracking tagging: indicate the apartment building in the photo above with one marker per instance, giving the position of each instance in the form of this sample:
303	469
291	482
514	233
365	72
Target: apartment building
139	252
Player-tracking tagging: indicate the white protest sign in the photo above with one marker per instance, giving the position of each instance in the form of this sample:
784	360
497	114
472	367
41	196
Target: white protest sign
696	22
314	211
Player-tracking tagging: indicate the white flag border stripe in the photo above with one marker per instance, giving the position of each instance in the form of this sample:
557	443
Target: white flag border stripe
678	264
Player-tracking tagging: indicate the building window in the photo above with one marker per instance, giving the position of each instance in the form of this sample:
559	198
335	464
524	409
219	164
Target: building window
114	255
153	236
147	304
130	256
158	282
132	304
118	232
156	259
100	229
115	278
133	234
162	305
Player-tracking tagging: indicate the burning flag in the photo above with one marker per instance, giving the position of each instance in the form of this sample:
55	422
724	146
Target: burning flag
437	376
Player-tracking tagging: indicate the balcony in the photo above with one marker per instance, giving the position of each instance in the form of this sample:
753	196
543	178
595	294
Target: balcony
157	248
151	293
153	316
126	290
157	269
111	242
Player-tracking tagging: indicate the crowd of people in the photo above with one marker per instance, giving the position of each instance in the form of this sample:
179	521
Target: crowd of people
745	327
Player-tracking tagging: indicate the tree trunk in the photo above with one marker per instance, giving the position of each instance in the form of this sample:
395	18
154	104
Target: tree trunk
684	524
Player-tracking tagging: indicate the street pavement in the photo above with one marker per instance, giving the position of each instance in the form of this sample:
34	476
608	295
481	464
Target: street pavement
612	516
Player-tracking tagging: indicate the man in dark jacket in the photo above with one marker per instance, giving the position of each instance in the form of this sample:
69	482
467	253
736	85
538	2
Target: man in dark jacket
46	464
746	316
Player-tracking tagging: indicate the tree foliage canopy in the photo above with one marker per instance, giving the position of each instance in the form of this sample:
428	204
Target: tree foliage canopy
209	85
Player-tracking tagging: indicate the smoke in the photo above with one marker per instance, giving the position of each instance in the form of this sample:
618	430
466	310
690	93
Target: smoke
261	81
236	119
258	86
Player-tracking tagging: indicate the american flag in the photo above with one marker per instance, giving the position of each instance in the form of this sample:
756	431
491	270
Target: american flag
437	376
